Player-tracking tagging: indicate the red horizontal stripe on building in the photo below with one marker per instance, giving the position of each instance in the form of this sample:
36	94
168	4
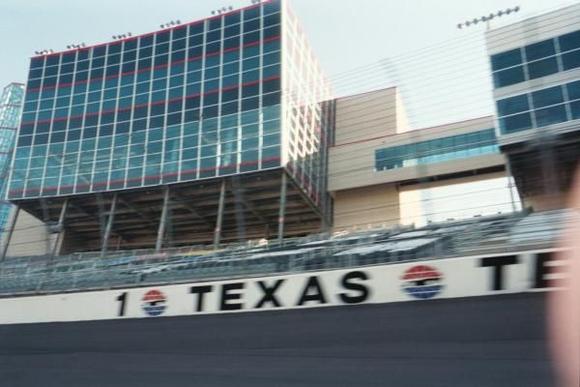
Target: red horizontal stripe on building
158	67
212	91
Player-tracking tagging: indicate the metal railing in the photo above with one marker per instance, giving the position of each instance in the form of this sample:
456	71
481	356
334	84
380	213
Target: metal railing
378	245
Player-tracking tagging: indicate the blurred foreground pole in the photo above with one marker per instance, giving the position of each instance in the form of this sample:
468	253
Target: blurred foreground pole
564	305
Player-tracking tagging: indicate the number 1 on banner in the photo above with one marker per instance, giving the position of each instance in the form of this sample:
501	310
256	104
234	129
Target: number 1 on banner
123	300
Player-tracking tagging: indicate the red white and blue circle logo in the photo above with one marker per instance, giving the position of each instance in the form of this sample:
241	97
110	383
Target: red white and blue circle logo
154	303
422	282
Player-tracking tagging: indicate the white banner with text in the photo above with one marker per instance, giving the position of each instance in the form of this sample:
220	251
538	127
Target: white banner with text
412	281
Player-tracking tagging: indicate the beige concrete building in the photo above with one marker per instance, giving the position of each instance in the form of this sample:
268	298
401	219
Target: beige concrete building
365	184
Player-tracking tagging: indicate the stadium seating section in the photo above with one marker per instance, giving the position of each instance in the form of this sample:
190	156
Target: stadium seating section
376	245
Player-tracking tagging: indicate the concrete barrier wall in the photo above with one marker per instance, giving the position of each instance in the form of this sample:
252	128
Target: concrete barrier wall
417	281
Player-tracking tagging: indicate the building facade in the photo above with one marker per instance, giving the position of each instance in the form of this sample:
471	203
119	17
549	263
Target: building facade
376	160
535	67
221	112
11	102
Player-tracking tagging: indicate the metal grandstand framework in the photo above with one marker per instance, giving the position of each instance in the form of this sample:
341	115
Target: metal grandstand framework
249	206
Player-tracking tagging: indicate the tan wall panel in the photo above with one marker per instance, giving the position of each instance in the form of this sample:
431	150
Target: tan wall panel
30	237
366	116
366	206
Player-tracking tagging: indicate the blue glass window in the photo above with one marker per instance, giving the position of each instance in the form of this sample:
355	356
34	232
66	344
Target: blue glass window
573	90
550	116
543	68
571	60
515	123
513	105
575	110
126	95
541	59
549	106
547	97
437	150
506	59
569	41
509	77
540	50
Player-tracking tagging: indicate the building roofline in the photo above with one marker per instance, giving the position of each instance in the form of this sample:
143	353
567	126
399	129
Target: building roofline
527	18
365	93
197	21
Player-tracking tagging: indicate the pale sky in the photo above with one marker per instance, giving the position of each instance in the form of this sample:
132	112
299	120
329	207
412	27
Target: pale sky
345	34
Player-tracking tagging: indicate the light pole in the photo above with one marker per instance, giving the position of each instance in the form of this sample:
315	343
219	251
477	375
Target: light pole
487	19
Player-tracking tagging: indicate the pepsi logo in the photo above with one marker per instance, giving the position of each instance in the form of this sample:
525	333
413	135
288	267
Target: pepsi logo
422	282
154	303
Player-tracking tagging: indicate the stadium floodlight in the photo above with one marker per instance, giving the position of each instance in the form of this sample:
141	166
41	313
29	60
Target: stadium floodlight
488	18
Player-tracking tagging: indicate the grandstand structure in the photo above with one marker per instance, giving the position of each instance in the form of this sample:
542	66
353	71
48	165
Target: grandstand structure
502	233
216	149
207	132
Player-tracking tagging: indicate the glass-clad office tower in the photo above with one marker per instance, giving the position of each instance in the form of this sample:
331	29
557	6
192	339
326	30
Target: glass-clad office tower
535	67
189	134
11	101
